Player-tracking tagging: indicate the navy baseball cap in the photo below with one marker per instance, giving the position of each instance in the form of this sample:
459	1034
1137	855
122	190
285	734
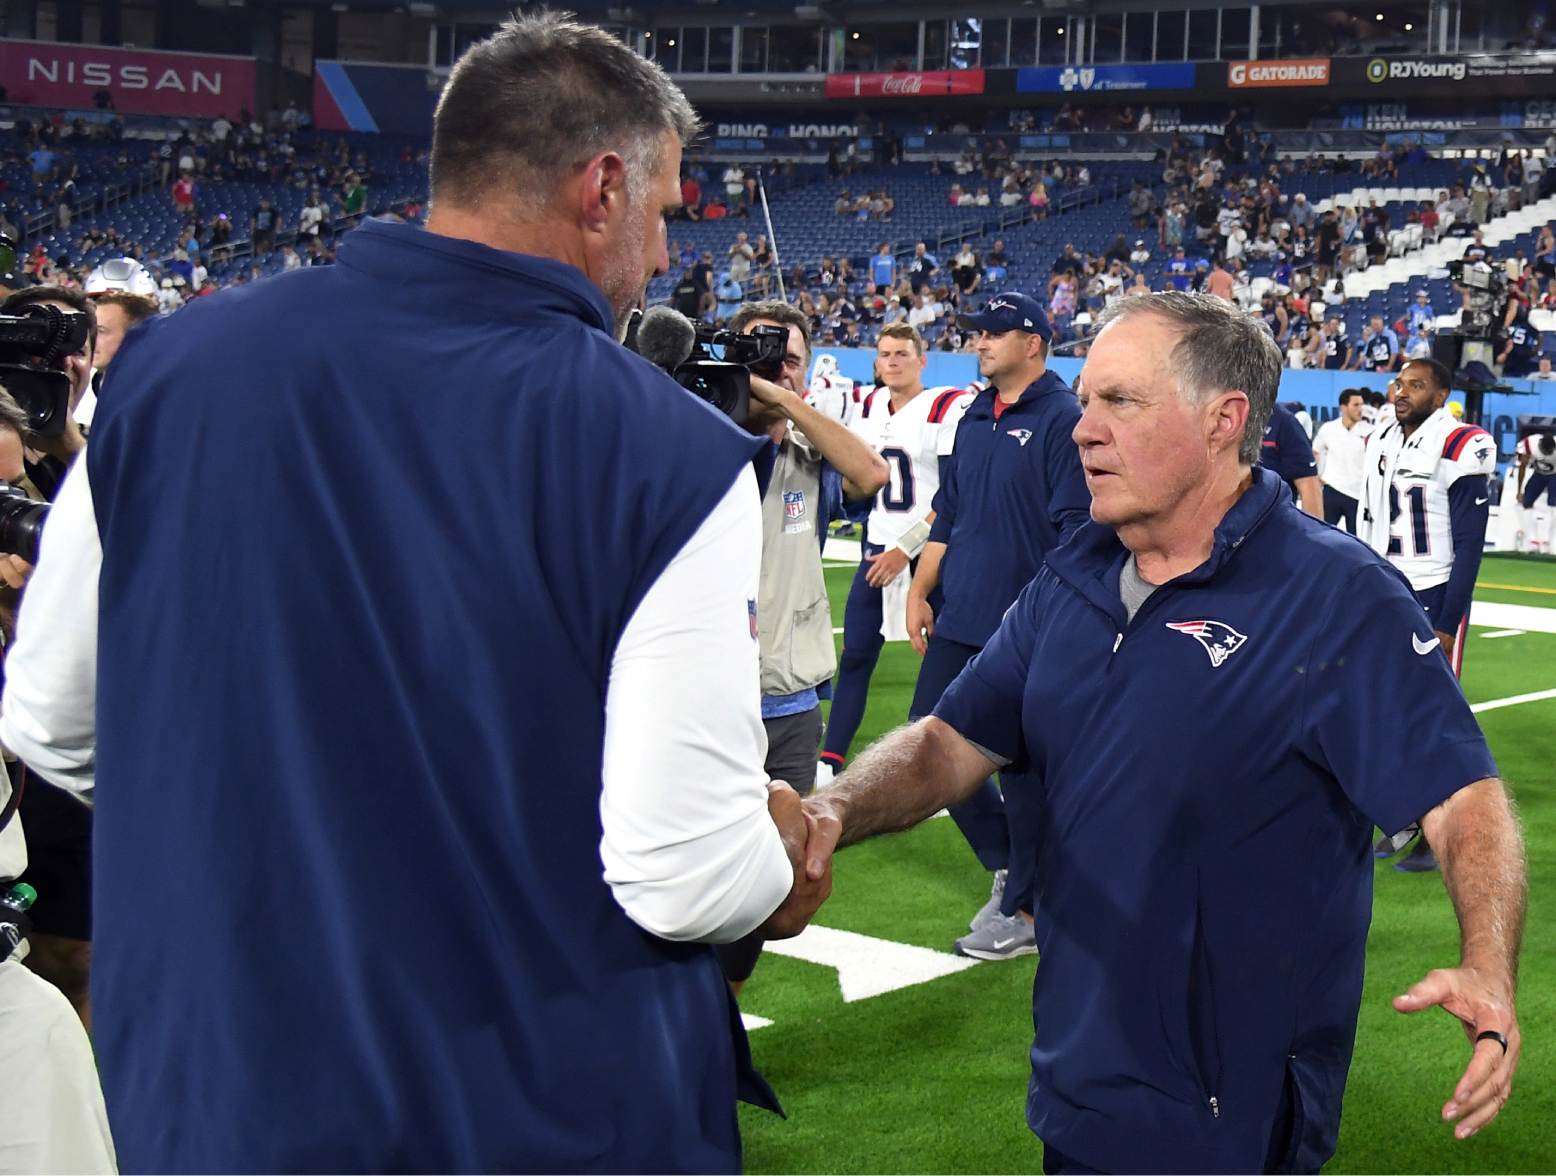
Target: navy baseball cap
1009	312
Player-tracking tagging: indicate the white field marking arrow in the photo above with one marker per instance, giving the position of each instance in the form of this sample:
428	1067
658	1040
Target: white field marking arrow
867	966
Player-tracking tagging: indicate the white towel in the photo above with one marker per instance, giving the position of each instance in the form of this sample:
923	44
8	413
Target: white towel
894	607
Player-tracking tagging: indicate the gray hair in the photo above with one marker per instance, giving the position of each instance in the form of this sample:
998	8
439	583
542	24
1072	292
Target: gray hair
1219	348
541	97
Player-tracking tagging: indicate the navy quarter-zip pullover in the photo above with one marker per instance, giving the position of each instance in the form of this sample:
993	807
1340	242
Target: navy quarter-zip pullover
1210	773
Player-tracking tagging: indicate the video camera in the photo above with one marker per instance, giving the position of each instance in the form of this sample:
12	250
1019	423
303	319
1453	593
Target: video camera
34	344
713	365
1487	286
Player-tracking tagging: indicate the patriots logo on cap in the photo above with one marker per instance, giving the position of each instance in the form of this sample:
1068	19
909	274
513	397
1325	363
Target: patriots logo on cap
1219	639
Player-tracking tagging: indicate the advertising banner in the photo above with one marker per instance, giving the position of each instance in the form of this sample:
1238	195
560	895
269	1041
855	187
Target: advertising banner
140	81
1102	79
1305	71
1512	73
925	84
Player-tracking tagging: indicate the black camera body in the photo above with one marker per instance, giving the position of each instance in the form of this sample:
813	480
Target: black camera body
21	523
1487	285
721	365
34	344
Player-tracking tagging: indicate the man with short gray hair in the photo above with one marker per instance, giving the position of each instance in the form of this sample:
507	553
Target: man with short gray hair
1193	686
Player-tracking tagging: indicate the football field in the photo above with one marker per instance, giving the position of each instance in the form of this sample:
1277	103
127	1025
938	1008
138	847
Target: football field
892	1055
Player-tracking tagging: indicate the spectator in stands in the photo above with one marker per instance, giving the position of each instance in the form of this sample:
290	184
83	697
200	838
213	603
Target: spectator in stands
921	267
966	271
883	269
353	198
1544	371
1300	212
1141	204
1379	348
1420	312
1545	253
691	198
1063	299
844	204
289	258
1481	189
263	226
1219	282
922	316
1419	343
715	209
741	258
184	195
313	216
734	187
997	263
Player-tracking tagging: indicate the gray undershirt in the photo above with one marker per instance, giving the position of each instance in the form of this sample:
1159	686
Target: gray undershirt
1132	589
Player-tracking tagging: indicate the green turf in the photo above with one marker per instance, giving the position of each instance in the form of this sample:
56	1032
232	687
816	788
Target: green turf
933	1078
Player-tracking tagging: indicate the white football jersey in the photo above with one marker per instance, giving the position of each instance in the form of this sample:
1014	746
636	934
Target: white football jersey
912	440
1421	471
1538	463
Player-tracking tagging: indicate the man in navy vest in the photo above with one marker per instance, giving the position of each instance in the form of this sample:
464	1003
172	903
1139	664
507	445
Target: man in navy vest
1209	736
426	742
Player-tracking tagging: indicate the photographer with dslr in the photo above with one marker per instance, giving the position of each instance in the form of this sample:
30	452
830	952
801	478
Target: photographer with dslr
793	615
59	826
51	1116
50	452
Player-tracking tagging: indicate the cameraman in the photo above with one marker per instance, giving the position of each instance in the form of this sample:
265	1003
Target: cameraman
793	614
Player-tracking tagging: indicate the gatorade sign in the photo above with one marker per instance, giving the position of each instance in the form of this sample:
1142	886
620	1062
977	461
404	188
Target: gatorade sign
1307	71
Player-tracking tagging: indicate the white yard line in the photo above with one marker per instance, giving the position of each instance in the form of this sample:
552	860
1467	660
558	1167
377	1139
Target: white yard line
1495	633
1515	700
1513	616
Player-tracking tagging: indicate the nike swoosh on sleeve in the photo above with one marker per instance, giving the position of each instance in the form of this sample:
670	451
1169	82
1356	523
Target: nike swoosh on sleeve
1424	647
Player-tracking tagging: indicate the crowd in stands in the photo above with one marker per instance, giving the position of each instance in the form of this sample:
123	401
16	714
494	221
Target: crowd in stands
318	187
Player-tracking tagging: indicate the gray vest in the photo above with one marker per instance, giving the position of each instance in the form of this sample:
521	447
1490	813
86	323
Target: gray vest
794	620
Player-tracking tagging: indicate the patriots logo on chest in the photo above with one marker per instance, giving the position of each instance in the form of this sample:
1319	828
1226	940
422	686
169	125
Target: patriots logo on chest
1219	640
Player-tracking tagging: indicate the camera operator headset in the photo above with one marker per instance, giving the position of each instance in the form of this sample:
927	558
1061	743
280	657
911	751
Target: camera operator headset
52	1117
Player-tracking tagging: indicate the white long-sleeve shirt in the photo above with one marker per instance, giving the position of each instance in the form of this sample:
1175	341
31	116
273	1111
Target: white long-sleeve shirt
688	847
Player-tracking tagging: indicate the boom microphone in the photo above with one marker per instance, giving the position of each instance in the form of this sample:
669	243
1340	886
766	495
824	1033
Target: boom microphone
666	337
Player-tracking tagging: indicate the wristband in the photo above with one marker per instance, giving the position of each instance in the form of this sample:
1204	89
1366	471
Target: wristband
913	539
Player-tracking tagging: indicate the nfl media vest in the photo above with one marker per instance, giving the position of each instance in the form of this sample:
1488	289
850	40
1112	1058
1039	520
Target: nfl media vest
370	535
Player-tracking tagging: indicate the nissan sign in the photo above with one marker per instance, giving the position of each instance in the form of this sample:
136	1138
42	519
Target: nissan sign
40	73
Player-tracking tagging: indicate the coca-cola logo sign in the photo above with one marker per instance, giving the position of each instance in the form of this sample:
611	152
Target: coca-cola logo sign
927	83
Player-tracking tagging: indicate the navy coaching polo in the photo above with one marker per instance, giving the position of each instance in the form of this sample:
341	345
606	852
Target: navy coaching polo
1210	775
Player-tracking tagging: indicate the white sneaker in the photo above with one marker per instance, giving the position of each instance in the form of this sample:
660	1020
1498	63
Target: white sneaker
824	775
992	907
1002	937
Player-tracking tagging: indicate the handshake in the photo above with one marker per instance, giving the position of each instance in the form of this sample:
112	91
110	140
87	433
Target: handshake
810	830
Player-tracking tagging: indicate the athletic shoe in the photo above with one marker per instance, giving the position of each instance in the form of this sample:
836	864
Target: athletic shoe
824	776
992	907
1001	937
1387	847
1420	860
